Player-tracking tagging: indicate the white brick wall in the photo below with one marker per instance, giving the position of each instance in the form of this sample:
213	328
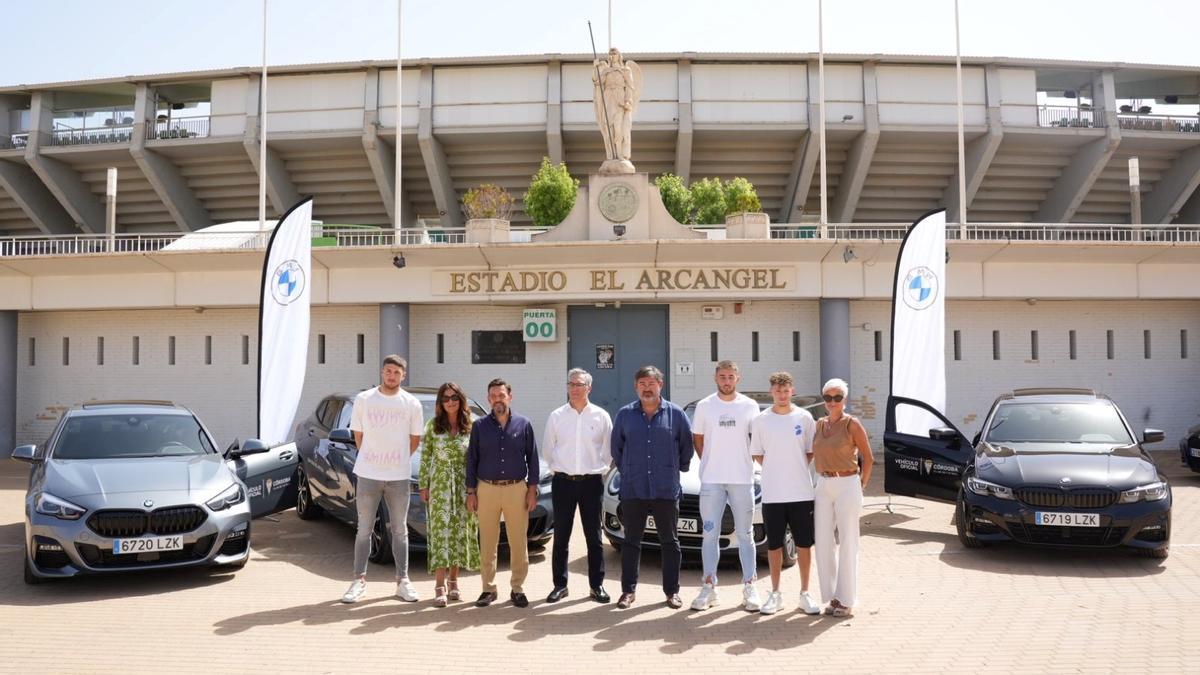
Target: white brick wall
539	385
1159	392
222	394
774	320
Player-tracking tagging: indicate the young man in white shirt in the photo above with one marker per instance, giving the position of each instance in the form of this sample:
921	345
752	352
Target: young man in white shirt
721	435
577	446
387	423
781	440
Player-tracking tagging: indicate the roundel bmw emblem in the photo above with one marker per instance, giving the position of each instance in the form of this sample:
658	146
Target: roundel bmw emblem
287	282
921	287
148	503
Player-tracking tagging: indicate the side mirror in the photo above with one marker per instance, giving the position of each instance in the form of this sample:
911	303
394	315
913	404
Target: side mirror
975	440
26	453
253	446
342	436
1153	436
943	434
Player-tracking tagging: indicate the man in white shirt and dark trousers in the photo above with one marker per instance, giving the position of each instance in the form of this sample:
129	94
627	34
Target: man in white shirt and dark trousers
387	423
721	435
577	446
781	440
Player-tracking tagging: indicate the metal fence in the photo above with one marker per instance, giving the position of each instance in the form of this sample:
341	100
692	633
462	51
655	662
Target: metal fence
1067	116
109	134
1145	122
188	127
362	237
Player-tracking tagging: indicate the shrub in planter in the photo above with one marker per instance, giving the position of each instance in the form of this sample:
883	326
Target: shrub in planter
675	197
740	197
551	194
708	202
487	201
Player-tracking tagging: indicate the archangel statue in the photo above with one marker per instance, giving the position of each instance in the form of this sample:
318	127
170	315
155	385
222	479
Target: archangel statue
617	86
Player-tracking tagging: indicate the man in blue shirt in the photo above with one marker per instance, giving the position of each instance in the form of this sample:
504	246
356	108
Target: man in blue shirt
651	446
502	479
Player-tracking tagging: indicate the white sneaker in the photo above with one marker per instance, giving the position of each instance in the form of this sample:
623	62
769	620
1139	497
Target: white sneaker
750	599
707	598
357	589
405	590
773	604
808	605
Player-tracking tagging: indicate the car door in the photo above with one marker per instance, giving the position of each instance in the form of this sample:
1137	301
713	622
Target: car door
341	459
324	475
269	476
918	466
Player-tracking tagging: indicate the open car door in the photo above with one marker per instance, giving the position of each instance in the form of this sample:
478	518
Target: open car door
919	466
269	475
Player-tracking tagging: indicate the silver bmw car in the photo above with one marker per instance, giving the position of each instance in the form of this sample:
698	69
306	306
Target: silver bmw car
130	485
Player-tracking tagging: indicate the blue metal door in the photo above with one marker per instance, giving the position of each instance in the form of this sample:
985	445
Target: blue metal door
612	343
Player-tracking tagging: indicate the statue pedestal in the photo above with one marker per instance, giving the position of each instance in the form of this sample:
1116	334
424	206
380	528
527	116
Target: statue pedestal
618	207
617	167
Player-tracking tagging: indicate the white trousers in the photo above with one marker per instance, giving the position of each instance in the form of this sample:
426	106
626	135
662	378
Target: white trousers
838	502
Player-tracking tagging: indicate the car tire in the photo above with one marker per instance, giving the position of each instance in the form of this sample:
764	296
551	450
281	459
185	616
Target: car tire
306	505
538	545
381	542
1155	553
615	544
31	579
790	554
960	523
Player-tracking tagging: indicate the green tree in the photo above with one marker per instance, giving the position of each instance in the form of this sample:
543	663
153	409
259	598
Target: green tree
740	197
708	202
675	197
551	194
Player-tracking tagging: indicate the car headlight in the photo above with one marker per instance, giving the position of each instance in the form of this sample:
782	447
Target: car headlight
614	483
49	505
1150	493
982	487
231	496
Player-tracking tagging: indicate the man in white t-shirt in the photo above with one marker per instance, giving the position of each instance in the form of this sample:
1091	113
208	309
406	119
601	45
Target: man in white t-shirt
387	423
721	435
781	440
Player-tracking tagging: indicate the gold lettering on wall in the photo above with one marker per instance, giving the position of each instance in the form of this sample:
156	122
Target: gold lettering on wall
608	280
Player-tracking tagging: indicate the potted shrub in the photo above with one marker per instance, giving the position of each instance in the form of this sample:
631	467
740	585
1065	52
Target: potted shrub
488	209
551	194
744	218
708	202
676	198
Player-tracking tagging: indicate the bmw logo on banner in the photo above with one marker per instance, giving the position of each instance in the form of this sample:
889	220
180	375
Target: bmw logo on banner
920	288
287	283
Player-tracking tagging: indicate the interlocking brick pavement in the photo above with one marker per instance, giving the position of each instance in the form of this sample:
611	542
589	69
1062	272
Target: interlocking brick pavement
926	605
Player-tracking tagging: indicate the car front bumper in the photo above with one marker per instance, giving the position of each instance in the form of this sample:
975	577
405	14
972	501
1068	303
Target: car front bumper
65	548
1145	525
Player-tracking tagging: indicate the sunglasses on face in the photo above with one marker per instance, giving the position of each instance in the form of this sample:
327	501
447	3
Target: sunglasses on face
577	384
455	399
836	398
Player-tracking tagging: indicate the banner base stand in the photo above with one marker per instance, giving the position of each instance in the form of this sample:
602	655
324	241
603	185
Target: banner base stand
889	506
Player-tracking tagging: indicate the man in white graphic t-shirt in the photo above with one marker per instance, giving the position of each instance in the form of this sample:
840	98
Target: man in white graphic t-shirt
781	440
387	423
721	434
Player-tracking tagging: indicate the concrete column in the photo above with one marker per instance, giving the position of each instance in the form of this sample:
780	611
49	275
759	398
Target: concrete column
835	339
862	150
164	177
8	382
683	144
394	329
554	140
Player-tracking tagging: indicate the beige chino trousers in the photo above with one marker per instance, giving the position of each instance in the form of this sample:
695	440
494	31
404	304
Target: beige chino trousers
507	501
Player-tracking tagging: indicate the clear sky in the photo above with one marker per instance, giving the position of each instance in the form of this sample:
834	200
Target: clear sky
73	39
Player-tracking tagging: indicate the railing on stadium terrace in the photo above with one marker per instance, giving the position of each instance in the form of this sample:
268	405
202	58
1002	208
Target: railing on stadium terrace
187	127
1147	122
359	237
117	133
1068	116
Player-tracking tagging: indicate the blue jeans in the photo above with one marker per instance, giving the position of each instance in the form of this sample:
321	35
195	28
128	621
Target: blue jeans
740	498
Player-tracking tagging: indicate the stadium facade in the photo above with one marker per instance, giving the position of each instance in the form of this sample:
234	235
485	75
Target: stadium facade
1049	283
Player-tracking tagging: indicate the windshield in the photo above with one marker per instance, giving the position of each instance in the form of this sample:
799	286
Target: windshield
1057	423
126	436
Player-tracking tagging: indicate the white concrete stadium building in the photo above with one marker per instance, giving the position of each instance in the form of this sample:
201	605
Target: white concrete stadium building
1049	283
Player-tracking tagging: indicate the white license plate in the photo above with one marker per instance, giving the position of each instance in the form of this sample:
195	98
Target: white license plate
147	545
688	525
1068	519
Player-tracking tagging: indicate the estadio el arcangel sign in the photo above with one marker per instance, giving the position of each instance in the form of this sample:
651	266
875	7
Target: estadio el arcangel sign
615	280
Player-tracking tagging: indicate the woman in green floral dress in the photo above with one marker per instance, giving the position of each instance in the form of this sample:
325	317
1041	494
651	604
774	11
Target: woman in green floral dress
453	532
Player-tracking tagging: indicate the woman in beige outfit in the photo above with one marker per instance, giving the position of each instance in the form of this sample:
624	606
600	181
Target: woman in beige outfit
842	455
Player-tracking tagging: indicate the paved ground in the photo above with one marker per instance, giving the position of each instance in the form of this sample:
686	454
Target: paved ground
927	605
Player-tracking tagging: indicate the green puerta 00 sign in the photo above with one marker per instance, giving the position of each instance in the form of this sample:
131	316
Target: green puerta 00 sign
539	325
